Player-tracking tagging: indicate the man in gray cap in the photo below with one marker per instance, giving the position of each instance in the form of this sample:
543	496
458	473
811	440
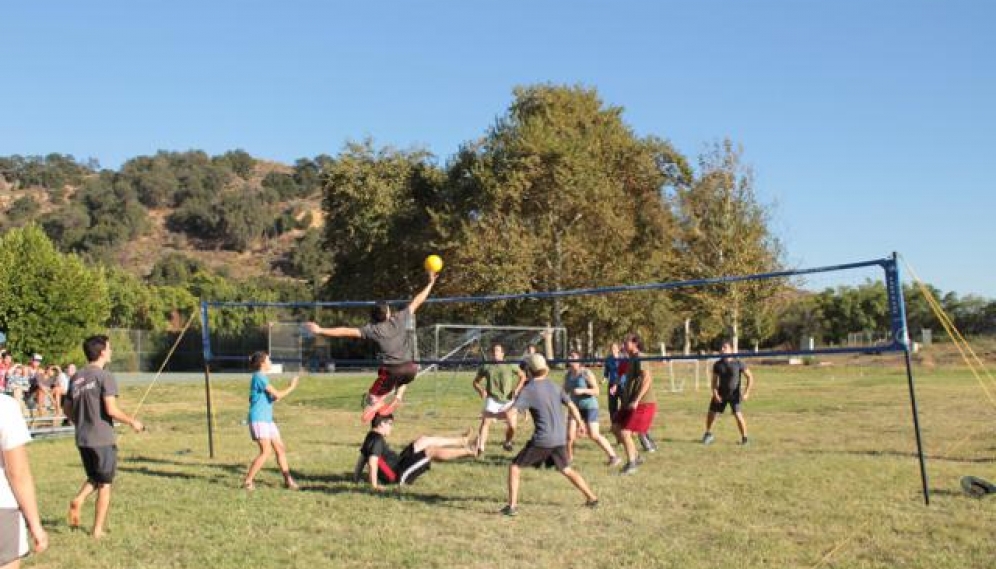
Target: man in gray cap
543	399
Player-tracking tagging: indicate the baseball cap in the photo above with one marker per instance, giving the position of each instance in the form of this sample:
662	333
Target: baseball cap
535	363
36	358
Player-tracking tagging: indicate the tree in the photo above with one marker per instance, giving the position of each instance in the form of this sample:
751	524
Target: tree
561	194
724	232
49	301
375	230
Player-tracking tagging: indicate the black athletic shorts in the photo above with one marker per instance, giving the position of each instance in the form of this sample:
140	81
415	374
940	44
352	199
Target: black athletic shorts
539	456
412	464
100	464
732	399
390	376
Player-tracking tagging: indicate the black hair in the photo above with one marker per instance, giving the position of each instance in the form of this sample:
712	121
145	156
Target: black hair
379	312
94	346
256	360
380	419
634	337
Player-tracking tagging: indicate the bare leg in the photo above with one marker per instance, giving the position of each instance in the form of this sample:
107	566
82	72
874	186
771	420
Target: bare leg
77	503
601	441
579	483
482	433
103	506
423	443
281	452
512	418
258	462
572	435
513	485
710	419
741	423
628	444
440	454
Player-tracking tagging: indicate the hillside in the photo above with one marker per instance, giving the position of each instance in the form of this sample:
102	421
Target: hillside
238	216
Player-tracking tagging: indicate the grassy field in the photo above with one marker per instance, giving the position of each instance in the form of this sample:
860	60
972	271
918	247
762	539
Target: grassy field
830	480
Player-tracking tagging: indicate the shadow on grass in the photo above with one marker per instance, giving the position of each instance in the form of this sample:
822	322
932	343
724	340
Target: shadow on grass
901	454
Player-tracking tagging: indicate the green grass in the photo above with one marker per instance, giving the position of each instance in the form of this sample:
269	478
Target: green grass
831	470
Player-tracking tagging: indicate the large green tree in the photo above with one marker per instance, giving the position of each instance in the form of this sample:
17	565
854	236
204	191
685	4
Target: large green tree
49	301
378	226
562	194
724	231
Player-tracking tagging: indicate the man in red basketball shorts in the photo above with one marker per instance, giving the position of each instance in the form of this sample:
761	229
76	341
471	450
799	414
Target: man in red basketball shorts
639	404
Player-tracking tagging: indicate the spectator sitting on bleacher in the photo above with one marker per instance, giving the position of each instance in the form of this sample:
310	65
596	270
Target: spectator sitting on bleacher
18	385
57	388
38	391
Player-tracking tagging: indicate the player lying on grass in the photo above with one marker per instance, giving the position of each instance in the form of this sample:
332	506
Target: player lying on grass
385	467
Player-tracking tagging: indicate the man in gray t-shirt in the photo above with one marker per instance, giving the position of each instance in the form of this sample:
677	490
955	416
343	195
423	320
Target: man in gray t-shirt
91	405
390	333
543	399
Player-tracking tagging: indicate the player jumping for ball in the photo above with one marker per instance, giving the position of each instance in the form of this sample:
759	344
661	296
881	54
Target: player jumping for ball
390	332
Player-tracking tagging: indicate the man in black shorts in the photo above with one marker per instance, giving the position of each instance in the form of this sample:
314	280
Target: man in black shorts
543	399
91	405
390	332
384	466
726	391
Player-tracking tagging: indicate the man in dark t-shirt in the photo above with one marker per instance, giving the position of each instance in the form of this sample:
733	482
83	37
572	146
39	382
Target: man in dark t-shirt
384	466
391	334
726	374
91	405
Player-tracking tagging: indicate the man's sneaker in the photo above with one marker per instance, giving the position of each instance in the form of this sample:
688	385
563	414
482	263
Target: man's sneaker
593	504
507	446
614	461
745	442
630	468
509	511
708	439
648	443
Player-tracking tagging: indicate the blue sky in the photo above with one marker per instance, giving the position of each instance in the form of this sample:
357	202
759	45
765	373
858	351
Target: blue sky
870	124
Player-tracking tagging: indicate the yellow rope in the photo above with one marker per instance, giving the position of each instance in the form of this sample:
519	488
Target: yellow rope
957	338
165	361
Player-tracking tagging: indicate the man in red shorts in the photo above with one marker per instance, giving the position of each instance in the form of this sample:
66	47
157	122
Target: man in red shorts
639	404
390	332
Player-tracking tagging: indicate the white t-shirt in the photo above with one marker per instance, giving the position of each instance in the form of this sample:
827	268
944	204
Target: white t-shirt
13	433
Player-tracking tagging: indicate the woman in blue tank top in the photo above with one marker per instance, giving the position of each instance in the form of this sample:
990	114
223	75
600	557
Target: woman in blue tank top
582	387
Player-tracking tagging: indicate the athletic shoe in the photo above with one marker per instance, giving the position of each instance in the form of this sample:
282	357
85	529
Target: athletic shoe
507	446
592	504
630	468
708	439
509	511
614	461
744	442
647	442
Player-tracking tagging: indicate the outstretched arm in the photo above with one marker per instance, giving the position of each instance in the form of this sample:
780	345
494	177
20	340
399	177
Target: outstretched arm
420	297
339	332
278	394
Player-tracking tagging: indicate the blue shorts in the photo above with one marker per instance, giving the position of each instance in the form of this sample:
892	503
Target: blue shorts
589	415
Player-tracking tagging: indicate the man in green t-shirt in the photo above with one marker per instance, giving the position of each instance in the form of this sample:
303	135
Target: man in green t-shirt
501	383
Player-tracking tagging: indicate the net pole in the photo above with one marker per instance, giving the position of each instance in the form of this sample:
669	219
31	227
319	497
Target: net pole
206	342
901	335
